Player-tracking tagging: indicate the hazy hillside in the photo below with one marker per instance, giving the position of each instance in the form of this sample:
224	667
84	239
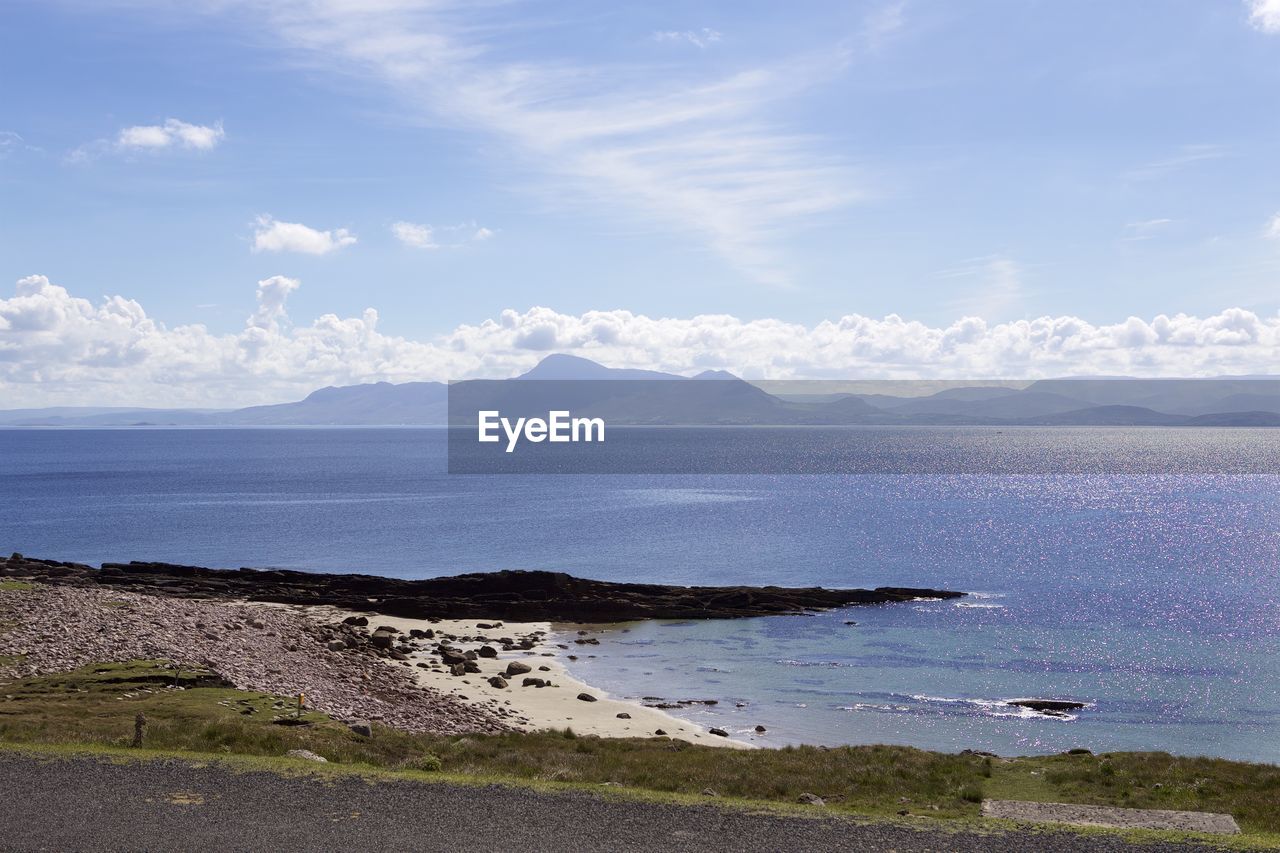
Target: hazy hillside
718	397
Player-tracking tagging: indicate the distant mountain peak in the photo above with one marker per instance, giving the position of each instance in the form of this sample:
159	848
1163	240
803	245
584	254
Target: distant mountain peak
565	366
715	374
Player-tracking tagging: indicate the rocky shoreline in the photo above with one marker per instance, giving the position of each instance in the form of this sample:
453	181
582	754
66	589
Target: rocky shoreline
472	653
283	651
511	595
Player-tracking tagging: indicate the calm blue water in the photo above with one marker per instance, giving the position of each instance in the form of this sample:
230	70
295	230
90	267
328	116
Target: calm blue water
1153	597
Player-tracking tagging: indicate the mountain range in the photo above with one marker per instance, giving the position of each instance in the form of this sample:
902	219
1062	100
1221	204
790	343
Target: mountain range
718	397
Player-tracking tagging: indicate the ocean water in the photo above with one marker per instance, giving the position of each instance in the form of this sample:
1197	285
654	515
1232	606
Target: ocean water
1151	596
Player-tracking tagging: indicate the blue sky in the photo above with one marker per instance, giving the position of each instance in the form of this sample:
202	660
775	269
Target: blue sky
783	164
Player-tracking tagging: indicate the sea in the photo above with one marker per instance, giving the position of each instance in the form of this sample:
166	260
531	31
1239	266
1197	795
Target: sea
1150	594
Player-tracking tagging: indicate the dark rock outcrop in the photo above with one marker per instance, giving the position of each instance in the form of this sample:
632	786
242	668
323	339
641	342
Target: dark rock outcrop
1047	705
512	595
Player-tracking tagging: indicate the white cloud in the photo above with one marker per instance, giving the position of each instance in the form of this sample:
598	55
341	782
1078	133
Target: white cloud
1273	228
704	37
56	348
1144	229
992	286
695	152
419	236
273	235
272	294
173	133
10	142
1264	15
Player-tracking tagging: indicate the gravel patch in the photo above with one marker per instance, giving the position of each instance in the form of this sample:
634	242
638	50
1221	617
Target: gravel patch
271	649
1111	816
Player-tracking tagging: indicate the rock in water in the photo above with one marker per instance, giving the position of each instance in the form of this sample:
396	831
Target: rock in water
719	732
1045	706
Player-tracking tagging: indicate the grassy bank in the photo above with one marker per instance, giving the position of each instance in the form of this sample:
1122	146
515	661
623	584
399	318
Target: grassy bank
98	705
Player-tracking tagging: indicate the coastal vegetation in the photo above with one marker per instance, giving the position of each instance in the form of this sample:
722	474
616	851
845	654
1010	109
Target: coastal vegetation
192	712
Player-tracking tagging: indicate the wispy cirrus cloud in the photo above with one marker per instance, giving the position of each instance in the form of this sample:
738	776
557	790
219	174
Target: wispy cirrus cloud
1184	157
688	150
704	37
272	235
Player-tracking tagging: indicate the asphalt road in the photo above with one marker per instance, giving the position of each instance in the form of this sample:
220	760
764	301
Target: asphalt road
86	804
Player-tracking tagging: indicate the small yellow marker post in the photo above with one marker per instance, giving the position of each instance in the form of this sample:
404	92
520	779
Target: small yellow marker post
298	714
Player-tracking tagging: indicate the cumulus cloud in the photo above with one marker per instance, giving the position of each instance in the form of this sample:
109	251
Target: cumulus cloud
421	236
273	235
1264	15
272	294
56	348
170	134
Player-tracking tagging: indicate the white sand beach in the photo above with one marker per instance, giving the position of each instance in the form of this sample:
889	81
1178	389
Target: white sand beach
555	706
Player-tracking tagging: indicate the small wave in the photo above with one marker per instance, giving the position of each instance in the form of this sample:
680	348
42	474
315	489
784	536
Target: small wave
991	708
973	605
827	663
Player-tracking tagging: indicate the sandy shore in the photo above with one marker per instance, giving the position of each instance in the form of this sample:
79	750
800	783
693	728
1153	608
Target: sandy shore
555	706
291	649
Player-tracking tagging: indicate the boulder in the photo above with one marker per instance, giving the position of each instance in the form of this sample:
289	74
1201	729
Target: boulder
516	667
586	697
381	639
336	645
362	729
811	799
534	682
623	715
719	732
498	681
357	621
487	652
761	729
307	755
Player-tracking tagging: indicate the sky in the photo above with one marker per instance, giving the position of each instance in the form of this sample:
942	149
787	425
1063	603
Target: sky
226	202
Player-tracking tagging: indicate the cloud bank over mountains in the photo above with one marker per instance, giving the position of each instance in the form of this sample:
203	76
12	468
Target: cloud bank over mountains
60	349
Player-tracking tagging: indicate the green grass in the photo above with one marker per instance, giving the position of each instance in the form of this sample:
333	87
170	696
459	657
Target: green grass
96	706
1148	780
15	586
